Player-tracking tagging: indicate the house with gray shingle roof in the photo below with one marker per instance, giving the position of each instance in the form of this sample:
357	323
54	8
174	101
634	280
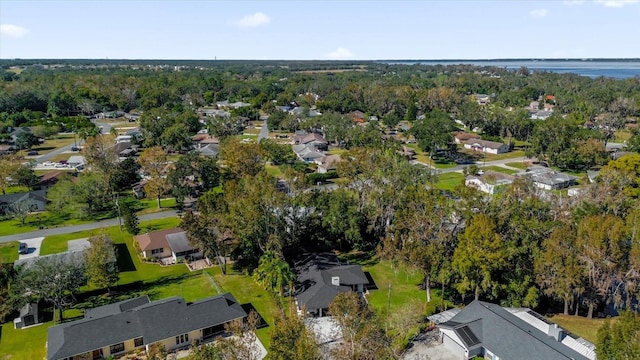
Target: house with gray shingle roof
320	277
493	332
136	324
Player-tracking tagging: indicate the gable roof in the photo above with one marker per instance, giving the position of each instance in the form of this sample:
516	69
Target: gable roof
485	143
482	324
155	239
315	271
178	242
49	178
153	321
38	195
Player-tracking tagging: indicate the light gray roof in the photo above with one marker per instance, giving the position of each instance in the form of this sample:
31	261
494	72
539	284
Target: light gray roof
504	334
76	159
76	257
153	322
314	272
178	242
209	150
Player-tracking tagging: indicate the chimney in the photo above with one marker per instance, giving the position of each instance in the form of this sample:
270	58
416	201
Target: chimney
556	332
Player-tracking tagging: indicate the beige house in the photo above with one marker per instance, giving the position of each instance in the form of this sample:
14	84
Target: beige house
138	324
485	146
169	243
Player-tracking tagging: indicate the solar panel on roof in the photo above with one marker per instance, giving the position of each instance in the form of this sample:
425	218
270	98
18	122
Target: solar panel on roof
539	317
468	336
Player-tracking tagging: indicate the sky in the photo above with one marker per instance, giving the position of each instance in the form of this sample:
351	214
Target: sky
318	30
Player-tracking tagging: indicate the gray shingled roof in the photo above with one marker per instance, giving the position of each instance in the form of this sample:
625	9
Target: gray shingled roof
314	272
153	322
178	242
505	334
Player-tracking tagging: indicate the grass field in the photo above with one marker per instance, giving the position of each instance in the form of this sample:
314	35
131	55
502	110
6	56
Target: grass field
9	252
510	155
34	221
500	169
581	326
274	171
449	181
518	165
54	143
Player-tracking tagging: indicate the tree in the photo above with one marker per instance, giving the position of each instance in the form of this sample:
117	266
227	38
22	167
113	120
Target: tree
25	176
242	158
278	153
620	340
434	131
101	159
130	219
291	339
26	140
203	234
478	255
54	279
153	162
126	174
224	127
101	263
192	175
9	164
274	273
21	209
362	336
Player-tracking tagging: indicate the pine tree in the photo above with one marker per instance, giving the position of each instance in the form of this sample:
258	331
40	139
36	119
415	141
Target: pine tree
130	219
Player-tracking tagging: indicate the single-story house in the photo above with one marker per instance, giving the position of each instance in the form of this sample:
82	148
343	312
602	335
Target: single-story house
482	99
48	180
209	150
124	138
542	114
549	179
29	316
307	153
165	243
493	332
314	139
215	113
462	137
491	182
485	146
37	198
407	152
126	326
320	277
75	161
327	163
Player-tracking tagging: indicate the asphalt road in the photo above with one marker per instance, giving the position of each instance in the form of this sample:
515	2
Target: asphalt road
82	227
264	131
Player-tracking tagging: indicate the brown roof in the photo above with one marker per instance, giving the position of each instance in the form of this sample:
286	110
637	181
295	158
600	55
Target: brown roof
486	143
156	239
199	137
466	136
50	177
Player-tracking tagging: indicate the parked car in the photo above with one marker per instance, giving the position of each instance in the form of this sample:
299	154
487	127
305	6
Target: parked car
75	148
32	153
23	249
48	163
60	165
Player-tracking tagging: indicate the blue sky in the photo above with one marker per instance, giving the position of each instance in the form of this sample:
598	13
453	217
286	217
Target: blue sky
362	30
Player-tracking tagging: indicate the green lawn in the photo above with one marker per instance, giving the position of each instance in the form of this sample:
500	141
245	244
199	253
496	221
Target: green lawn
24	344
581	326
274	171
500	169
15	189
34	221
517	165
509	155
449	181
148	206
9	252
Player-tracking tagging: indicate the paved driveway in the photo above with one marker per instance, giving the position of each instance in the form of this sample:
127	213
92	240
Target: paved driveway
34	248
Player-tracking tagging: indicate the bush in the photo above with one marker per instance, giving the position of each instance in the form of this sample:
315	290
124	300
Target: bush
315	178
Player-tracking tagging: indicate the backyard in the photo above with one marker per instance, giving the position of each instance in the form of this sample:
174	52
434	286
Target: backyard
449	181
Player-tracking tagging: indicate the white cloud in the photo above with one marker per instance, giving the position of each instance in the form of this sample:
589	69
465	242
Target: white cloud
616	3
254	20
573	2
14	31
538	13
340	54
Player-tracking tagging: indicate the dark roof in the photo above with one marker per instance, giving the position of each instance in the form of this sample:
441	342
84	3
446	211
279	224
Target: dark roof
38	195
153	322
116	308
178	242
504	334
155	239
315	272
67	257
49	178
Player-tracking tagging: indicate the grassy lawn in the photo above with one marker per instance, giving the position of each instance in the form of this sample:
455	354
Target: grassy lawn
518	165
449	181
444	166
54	143
25	344
33	222
9	252
246	290
148	206
15	189
274	170
581	326
509	155
336	151
500	169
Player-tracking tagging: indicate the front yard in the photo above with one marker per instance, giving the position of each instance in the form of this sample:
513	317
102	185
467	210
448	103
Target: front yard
449	181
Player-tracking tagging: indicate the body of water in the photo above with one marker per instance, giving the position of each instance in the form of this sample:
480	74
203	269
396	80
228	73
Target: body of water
590	68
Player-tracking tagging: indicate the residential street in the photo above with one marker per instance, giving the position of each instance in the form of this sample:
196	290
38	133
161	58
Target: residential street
264	131
82	227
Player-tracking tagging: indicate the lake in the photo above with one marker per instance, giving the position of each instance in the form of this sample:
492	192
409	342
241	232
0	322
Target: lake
620	69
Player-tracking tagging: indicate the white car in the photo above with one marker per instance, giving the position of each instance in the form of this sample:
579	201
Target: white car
58	165
48	163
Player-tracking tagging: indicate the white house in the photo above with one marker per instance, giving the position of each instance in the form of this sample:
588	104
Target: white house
491	182
485	146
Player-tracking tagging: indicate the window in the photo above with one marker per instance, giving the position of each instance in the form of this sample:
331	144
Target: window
138	342
157	251
114	349
182	339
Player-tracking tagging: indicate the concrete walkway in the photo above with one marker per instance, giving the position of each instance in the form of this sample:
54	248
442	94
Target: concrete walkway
82	227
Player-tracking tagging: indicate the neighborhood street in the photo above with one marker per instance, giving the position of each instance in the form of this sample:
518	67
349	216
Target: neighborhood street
82	227
264	131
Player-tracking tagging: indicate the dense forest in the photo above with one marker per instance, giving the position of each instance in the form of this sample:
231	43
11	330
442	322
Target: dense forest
522	247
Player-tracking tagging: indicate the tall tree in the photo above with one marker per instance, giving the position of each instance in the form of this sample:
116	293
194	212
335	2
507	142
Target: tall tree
130	219
101	263
620	340
480	252
274	273
153	162
242	158
291	339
